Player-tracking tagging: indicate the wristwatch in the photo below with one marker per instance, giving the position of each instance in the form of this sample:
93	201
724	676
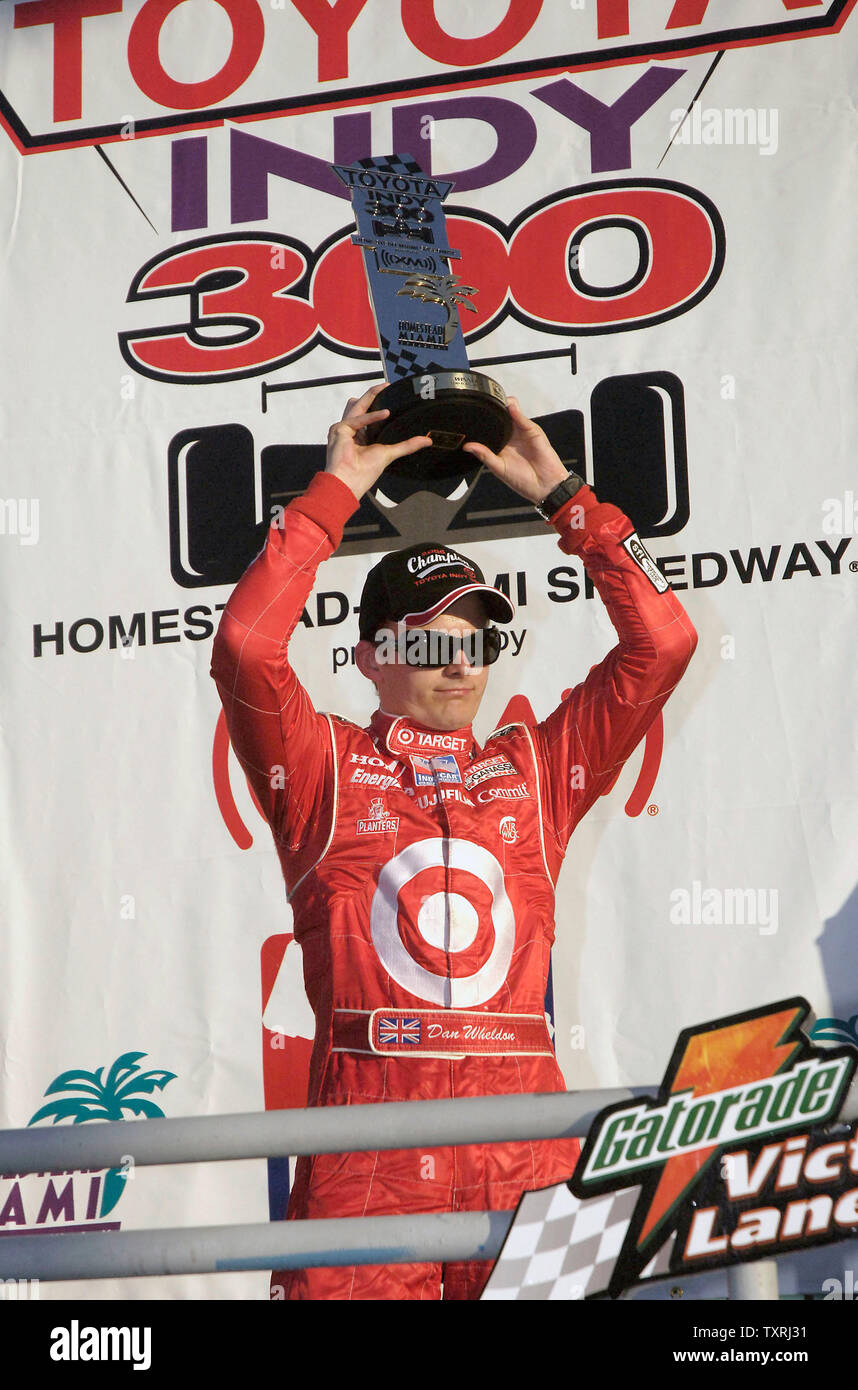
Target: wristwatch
551	504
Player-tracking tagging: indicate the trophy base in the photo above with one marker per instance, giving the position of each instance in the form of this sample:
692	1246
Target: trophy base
453	408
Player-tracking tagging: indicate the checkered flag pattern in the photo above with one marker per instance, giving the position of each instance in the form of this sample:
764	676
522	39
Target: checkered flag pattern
561	1248
399	363
391	164
402	363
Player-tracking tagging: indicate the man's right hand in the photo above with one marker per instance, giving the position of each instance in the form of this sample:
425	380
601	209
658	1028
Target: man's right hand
358	464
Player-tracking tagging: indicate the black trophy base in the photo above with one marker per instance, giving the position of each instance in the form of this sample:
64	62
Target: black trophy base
453	408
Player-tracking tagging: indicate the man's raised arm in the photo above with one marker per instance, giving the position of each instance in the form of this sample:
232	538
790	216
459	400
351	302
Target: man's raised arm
582	746
279	739
586	740
281	742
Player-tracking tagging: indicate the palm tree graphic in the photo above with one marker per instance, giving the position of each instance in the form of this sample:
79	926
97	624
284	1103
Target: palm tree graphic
836	1030
440	289
123	1089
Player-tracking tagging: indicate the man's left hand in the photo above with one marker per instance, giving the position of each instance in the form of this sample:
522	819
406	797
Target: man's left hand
528	463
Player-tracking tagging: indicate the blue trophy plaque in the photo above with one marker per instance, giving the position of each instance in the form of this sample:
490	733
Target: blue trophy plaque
415	299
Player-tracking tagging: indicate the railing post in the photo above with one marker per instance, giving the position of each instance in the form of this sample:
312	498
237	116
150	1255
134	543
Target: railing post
753	1282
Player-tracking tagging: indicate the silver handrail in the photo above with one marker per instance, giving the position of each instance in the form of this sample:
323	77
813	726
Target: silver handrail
410	1124
449	1236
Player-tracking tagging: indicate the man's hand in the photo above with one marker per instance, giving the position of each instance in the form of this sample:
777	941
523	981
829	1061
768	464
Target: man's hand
528	463
358	464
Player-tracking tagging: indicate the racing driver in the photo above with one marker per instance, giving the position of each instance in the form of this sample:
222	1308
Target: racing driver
421	867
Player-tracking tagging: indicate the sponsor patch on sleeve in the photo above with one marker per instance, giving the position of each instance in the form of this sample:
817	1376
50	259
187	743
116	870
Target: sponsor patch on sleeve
502	730
644	561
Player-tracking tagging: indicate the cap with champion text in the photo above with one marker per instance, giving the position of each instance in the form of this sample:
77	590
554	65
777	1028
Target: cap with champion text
416	584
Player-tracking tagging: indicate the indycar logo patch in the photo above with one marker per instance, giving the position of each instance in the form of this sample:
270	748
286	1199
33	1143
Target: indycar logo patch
441	768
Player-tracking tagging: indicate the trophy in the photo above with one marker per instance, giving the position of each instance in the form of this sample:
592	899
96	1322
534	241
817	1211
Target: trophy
415	297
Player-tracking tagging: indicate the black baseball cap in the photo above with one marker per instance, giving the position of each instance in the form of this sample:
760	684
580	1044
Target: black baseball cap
416	584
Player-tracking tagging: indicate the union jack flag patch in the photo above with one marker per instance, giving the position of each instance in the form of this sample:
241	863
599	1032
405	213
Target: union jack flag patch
398	1031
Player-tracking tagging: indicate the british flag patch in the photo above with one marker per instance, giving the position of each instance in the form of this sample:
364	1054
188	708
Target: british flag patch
397	1032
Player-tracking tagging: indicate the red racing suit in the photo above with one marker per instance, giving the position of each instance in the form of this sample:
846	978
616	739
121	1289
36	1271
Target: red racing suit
421	869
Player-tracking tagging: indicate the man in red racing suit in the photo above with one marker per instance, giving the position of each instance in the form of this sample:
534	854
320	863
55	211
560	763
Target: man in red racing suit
421	867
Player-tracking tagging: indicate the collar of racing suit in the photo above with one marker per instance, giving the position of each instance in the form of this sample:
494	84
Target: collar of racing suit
404	737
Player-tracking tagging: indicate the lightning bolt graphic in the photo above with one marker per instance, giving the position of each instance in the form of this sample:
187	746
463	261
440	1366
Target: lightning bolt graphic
752	1050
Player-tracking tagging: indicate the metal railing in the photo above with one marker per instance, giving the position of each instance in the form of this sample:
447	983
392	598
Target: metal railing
437	1238
408	1124
283	1245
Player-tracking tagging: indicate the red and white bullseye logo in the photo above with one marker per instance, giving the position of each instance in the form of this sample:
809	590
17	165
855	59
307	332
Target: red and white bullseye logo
448	922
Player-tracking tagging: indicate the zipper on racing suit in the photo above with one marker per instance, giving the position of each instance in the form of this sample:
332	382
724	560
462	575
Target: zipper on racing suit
448	888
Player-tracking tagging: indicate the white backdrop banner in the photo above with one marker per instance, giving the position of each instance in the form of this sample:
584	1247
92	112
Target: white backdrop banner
655	203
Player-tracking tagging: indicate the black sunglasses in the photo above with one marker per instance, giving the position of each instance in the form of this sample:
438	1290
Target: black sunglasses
433	648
